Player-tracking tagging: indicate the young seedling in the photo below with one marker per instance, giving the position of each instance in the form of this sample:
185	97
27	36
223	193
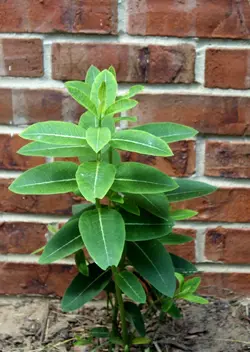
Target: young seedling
124	236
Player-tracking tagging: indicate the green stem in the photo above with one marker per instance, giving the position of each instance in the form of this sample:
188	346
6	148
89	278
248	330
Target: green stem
121	308
114	318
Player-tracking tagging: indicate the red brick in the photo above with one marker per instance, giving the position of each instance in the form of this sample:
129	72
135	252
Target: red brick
186	250
21	57
10	160
47	16
225	284
226	204
180	165
21	237
173	64
5	106
227	68
59	204
227	159
27	106
133	63
23	278
230	246
200	18
208	114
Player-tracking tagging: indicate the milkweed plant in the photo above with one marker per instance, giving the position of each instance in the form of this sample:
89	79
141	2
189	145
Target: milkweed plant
127	220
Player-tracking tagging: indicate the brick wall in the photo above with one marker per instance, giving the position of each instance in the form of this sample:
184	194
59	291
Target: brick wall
193	58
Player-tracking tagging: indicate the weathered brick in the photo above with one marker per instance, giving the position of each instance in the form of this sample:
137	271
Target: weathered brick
59	204
5	106
180	165
186	250
227	159
23	278
226	204
58	16
10	160
171	64
200	18
133	63
21	57
230	246
225	284
27	106
21	237
208	114
227	68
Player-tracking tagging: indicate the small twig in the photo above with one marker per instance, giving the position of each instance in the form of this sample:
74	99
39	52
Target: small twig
157	347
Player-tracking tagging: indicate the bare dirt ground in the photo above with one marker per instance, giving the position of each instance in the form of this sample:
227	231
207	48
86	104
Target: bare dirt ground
38	325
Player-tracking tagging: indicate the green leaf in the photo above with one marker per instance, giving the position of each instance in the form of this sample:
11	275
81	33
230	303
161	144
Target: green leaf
132	92
115	197
174	239
145	227
55	132
112	70
81	262
91	74
52	178
98	137
174	312
100	332
130	207
56	150
141	341
125	118
140	142
156	204
116	158
183	214
77	91
64	243
182	266
168	131
87	120
120	106
189	189
180	279
134	316
140	178
108	121
154	263
167	304
196	299
78	208
103	233
84	288
94	179
109	93
131	286
188	287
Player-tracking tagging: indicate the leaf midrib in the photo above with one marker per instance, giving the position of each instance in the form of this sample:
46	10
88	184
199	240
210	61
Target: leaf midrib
80	294
139	143
145	254
127	283
44	183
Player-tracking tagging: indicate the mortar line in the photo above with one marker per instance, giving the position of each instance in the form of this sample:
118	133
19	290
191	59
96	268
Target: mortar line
194	89
47	61
199	245
125	37
203	267
200	156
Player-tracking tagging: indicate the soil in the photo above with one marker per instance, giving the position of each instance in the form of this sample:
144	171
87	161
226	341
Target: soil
38	325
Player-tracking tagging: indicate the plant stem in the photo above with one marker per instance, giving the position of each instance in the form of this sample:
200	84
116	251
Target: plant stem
121	308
